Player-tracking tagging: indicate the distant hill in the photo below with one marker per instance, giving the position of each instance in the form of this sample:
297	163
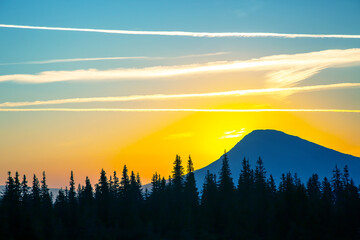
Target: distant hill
53	191
282	153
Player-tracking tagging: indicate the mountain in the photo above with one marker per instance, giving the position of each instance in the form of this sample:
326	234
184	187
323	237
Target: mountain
282	153
53	191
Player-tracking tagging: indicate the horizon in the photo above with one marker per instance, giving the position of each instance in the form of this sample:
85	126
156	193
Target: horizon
148	184
86	86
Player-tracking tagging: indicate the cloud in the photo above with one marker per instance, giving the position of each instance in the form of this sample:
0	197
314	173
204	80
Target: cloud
186	34
244	92
114	58
284	69
174	110
229	132
233	134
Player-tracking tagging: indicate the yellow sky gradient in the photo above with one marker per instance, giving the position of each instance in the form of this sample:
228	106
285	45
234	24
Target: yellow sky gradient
148	142
86	142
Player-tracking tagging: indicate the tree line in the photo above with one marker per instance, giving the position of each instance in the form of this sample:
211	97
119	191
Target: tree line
117	207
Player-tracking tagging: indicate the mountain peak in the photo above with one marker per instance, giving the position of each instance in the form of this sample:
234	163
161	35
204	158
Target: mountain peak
268	133
284	153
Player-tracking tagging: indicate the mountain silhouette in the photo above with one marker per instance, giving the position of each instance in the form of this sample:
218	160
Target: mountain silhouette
282	153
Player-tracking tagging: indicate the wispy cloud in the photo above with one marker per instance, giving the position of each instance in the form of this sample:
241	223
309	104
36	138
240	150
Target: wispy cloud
114	58
284	69
244	92
233	134
175	110
185	33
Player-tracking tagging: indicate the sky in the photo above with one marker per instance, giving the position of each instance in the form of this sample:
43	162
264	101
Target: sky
86	85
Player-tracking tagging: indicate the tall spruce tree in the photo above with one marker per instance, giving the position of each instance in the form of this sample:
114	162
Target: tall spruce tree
226	184
17	187
178	175
314	188
209	204
260	175
337	185
271	185
190	189
116	185
35	192
155	184
10	197
135	189
102	188
125	183
246	178
72	191
25	190
44	193
88	191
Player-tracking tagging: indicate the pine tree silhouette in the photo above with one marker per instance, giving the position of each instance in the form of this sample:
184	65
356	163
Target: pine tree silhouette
72	192
174	209
178	175
226	184
190	189
44	193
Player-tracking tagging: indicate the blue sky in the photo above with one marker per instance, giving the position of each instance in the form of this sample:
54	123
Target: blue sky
291	17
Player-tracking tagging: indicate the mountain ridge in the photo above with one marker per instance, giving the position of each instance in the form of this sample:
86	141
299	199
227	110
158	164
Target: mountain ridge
282	153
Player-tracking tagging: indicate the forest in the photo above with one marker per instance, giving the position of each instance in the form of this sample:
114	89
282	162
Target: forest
119	207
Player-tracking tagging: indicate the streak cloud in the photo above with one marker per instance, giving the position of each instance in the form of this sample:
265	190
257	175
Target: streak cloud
174	110
180	96
284	70
113	58
187	34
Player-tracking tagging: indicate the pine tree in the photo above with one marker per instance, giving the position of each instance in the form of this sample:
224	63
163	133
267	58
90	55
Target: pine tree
60	198
102	188
72	191
134	189
79	191
155	184
163	184
271	185
260	175
326	209
44	192
88	191
190	189
35	192
60	206
178	175
25	190
138	181
226	184
210	189
17	187
346	176
314	188
337	185
246	178
125	182
9	197
116	186
326	192
209	204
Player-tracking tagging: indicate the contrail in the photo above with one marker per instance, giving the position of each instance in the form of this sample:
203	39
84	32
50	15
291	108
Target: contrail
114	58
175	110
180	96
186	34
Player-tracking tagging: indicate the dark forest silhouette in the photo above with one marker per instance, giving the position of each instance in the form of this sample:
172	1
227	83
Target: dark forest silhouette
117	207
